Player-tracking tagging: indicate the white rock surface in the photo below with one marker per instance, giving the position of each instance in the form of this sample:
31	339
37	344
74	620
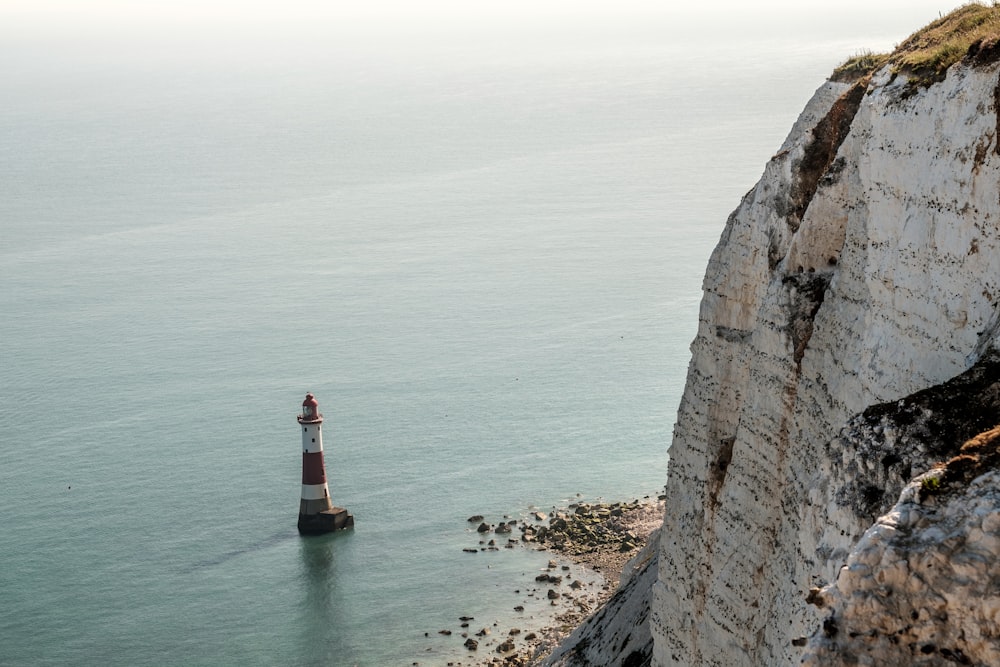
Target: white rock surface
887	284
922	587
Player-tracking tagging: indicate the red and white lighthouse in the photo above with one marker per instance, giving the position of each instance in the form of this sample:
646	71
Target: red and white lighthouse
316	513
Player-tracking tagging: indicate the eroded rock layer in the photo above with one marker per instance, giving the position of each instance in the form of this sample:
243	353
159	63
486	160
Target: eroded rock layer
921	587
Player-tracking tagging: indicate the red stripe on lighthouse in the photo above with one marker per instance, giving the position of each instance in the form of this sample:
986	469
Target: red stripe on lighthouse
313	471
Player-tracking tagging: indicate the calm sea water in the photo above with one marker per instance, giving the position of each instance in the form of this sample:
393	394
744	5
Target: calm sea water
483	257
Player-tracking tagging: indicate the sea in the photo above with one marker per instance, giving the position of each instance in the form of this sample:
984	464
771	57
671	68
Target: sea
477	238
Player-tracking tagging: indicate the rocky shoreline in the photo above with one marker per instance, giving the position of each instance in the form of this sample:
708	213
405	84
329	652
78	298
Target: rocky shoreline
591	544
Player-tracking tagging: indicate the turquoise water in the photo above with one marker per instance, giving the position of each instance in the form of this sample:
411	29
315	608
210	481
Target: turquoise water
483	257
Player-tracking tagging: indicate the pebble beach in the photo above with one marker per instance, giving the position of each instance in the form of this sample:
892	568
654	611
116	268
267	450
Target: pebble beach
591	544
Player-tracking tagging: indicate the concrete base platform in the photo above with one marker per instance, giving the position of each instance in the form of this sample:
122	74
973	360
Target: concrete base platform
327	521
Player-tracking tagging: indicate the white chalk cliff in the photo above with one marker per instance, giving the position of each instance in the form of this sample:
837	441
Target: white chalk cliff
882	283
848	340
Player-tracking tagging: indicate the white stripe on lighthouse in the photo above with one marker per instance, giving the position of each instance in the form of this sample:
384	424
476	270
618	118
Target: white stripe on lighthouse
314	491
312	438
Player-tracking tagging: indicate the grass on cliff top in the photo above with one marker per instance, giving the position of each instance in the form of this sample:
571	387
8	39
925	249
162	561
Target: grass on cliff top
926	55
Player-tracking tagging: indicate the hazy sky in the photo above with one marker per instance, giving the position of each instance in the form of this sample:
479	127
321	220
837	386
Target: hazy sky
48	29
715	16
466	7
45	41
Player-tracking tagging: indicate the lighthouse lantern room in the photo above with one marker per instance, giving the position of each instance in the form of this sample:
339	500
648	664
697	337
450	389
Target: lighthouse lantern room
316	512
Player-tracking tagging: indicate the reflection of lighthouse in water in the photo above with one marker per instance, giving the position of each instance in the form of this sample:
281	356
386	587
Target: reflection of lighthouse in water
316	513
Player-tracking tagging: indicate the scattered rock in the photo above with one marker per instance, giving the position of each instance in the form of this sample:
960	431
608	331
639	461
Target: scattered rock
476	517
444	632
600	536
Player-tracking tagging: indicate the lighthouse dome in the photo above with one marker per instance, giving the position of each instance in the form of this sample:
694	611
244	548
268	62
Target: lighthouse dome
310	410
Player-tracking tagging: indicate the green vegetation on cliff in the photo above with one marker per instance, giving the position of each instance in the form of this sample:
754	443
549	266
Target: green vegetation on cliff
972	31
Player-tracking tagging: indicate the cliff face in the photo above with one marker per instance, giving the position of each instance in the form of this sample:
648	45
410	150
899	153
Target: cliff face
858	277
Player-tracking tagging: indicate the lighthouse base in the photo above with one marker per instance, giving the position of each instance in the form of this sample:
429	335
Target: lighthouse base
327	521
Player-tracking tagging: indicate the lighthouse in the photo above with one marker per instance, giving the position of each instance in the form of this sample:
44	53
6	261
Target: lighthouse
316	513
